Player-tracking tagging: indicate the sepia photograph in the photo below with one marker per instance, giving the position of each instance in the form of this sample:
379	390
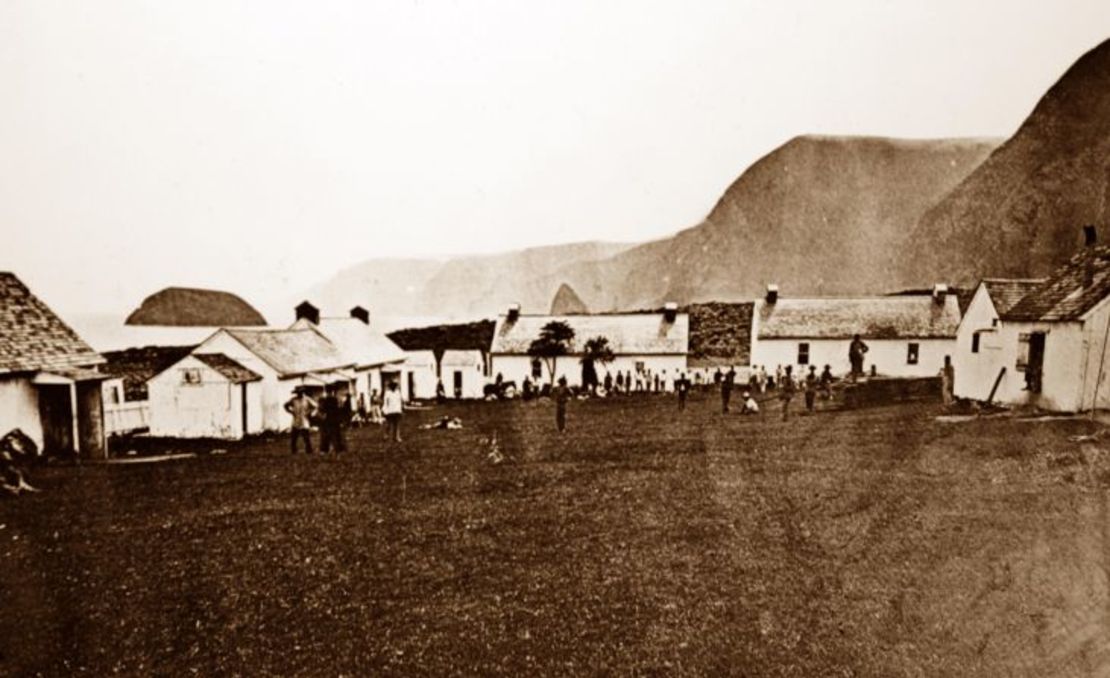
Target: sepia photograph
579	338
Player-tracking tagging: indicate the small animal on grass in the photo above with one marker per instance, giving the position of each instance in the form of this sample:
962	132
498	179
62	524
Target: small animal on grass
17	450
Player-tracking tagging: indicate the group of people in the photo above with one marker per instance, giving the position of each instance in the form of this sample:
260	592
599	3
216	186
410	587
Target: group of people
333	414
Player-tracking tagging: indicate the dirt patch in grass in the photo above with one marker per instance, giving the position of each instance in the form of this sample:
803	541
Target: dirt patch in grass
644	541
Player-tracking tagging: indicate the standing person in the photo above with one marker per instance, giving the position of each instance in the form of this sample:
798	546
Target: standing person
363	410
827	380
561	394
607	383
393	407
717	376
620	382
303	409
376	417
947	381
762	379
336	411
786	390
856	350
778	375
682	386
726	390
441	393
811	388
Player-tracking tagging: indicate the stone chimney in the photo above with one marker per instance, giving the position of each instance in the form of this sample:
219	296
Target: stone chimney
308	312
361	314
772	294
670	311
514	313
940	293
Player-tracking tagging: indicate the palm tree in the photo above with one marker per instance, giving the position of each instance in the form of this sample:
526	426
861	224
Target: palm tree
595	351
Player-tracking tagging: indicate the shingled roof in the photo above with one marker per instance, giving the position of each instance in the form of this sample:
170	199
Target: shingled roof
1005	293
292	352
890	317
32	337
359	342
1070	292
231	370
628	333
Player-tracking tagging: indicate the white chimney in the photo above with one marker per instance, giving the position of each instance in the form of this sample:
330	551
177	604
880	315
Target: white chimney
940	293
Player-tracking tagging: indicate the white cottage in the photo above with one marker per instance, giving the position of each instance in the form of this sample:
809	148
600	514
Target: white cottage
907	335
643	343
980	359
375	357
283	359
463	373
420	375
205	395
1053	342
50	387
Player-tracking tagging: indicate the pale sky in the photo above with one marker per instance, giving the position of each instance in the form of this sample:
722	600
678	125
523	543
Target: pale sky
260	146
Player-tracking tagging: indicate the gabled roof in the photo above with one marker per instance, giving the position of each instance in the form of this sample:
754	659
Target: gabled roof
1069	292
1005	293
890	317
137	365
360	343
292	352
32	337
231	370
628	333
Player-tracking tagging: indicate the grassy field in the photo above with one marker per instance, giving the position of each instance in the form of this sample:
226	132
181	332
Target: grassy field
645	541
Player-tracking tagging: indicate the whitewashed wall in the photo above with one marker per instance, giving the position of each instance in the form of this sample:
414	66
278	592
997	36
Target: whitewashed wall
887	355
517	367
976	372
471	365
1096	357
19	407
422	365
274	392
211	409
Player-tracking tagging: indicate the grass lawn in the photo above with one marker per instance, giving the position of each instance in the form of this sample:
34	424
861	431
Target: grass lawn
877	542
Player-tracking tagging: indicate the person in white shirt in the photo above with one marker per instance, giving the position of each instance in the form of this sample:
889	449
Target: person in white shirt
393	408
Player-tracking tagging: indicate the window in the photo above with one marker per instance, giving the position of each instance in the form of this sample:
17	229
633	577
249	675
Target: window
190	376
803	353
975	343
537	368
113	395
913	352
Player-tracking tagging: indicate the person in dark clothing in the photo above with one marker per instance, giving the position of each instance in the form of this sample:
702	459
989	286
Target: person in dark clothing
827	380
811	388
726	390
441	393
336	413
608	383
856	350
682	387
620	382
561	394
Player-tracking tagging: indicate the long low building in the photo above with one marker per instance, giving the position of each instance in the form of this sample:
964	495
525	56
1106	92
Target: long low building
653	342
906	335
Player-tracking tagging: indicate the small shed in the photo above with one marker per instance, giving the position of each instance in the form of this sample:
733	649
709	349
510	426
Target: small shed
205	395
463	373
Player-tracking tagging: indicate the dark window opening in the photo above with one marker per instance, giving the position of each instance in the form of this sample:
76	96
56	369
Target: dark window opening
913	352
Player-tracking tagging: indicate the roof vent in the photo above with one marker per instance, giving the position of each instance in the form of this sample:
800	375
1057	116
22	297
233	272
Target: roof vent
361	313
307	311
514	312
772	294
670	311
940	293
